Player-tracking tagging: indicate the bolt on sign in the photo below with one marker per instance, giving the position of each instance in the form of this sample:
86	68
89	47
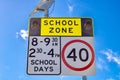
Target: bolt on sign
61	46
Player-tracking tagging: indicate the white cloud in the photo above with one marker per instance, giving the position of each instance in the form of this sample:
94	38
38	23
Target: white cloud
22	77
100	64
70	6
23	33
61	77
111	56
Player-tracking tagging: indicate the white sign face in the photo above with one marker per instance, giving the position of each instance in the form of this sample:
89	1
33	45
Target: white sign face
61	46
44	55
77	56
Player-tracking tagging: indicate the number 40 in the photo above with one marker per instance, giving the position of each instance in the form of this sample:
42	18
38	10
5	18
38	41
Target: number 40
72	54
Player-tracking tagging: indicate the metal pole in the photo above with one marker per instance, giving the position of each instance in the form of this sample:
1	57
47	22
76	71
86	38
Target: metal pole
46	13
84	77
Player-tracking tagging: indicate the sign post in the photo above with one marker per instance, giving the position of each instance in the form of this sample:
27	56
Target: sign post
46	13
84	77
61	46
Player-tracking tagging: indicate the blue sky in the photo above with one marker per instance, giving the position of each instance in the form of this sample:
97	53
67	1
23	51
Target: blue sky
14	16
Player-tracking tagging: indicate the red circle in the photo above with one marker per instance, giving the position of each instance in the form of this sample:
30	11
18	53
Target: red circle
71	67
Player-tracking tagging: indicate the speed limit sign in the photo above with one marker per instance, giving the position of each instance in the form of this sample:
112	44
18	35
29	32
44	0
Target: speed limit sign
61	46
78	56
